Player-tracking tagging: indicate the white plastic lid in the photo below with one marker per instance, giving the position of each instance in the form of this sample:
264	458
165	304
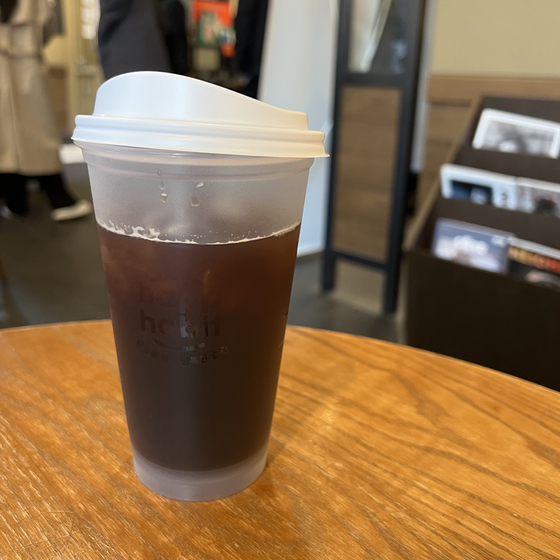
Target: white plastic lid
161	111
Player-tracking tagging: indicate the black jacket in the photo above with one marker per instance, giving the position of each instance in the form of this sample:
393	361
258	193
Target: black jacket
130	37
250	25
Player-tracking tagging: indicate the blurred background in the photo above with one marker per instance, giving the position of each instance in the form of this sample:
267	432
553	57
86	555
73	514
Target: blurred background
395	85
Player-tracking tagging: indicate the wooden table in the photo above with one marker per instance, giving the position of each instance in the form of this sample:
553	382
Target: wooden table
377	451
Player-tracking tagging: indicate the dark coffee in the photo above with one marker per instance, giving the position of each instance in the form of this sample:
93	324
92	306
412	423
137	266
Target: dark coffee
199	331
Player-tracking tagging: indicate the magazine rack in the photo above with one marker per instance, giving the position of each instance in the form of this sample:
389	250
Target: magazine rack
494	320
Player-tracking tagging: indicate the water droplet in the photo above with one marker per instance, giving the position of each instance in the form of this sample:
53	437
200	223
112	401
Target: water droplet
195	201
199	185
163	197
159	172
161	185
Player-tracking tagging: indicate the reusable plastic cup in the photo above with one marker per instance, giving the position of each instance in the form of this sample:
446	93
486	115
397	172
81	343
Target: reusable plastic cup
198	196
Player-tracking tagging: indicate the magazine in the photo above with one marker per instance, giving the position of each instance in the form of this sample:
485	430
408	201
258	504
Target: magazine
478	186
517	134
538	197
471	245
534	263
504	191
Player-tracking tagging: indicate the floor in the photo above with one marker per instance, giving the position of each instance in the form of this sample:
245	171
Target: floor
55	274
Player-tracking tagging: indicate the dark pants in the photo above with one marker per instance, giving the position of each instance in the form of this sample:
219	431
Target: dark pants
12	189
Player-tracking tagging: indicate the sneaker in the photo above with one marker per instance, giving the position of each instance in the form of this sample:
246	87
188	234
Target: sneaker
77	210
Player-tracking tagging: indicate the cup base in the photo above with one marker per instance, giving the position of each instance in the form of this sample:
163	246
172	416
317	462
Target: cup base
199	486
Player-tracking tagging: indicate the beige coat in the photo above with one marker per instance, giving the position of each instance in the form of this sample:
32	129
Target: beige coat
28	134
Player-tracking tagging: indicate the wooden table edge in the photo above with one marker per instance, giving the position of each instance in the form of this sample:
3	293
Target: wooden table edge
310	330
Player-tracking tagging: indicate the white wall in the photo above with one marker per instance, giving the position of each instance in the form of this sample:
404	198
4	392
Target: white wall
297	73
498	38
422	107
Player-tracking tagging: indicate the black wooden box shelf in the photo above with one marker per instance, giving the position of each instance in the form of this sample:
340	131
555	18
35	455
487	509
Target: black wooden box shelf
489	319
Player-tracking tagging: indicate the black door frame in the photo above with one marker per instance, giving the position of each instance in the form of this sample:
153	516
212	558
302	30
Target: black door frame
407	83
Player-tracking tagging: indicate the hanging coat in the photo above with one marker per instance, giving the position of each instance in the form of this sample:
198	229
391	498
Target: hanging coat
29	138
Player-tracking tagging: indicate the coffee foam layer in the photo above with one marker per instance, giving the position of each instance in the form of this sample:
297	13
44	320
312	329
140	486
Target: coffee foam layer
151	234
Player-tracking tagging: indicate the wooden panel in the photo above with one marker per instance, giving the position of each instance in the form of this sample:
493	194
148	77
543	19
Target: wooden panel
435	156
367	143
446	122
462	90
423	210
57	90
445	125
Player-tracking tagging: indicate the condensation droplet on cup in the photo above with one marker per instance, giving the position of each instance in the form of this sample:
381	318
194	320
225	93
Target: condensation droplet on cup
195	201
161	185
199	185
159	172
163	197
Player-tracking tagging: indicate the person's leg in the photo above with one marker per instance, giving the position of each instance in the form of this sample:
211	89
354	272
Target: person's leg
12	189
55	189
65	206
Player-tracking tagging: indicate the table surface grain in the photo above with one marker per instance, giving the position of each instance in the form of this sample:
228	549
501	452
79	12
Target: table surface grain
377	451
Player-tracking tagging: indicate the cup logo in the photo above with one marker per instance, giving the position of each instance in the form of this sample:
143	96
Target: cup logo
172	327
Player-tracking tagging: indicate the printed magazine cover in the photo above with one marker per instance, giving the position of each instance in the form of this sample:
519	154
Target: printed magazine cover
471	245
534	263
